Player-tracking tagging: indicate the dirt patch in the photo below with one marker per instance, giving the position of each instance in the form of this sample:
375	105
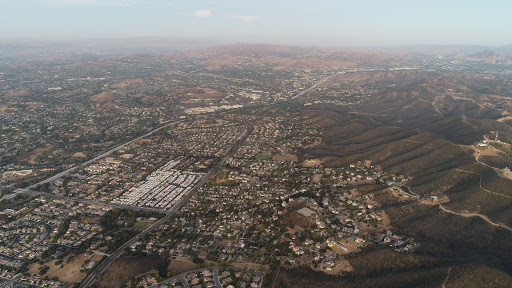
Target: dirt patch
285	157
249	266
57	152
34	268
342	266
463	98
489	151
317	142
221	177
397	193
143	141
150	100
385	220
199	95
295	220
138	95
147	99
181	265
317	178
68	272
32	155
222	180
504	173
126	83
79	155
349	243
20	93
312	163
503	119
104	97
91	219
124	269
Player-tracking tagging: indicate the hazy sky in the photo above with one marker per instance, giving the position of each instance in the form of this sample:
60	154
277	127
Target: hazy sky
321	22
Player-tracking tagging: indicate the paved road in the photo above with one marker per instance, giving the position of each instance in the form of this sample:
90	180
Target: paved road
182	277
48	231
216	277
90	202
29	190
102	155
315	86
100	268
184	282
8	283
117	148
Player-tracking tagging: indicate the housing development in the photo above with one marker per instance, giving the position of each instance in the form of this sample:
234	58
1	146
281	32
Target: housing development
254	166
162	189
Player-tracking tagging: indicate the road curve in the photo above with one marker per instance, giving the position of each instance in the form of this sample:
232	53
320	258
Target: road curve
486	190
447	276
470	215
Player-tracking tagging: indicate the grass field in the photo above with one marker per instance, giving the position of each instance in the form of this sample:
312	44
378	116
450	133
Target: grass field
68	272
181	265
140	224
264	156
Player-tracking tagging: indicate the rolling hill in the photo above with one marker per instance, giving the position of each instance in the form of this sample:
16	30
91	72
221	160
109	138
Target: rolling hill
424	125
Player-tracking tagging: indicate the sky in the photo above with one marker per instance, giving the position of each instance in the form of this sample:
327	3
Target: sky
302	22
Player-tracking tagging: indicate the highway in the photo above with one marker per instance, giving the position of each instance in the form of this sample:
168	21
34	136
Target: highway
315	86
102	155
100	268
117	148
91	278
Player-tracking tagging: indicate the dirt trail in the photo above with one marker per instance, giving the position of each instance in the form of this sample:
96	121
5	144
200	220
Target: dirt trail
447	276
488	191
485	218
469	215
477	156
368	114
498	171
434	104
413	141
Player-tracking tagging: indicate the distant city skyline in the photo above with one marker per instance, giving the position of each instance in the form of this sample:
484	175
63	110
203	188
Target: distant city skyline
302	22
